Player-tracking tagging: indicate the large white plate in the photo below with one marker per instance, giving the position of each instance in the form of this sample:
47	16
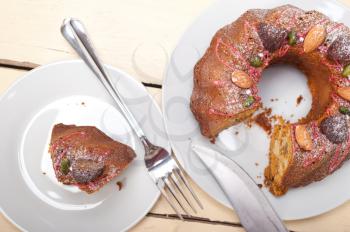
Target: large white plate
250	147
68	92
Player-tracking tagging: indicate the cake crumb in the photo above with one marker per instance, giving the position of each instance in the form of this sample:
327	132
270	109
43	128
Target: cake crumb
119	185
299	99
256	164
249	122
260	185
258	177
264	121
236	133
82	103
44	173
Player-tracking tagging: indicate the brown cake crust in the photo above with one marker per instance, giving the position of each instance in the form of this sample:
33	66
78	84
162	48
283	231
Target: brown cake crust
218	103
211	103
93	157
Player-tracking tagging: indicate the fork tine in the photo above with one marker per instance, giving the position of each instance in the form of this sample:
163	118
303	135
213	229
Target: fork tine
171	203
172	191
183	178
176	182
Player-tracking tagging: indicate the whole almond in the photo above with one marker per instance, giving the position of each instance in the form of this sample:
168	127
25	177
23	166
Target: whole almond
344	92
241	79
314	38
303	137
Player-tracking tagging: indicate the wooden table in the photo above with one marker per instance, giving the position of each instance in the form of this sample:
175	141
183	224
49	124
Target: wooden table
136	36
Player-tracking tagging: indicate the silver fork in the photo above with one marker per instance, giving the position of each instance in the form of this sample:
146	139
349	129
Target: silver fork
161	166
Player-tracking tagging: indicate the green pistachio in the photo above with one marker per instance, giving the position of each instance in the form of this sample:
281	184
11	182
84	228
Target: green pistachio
248	101
292	38
65	164
256	61
346	71
344	110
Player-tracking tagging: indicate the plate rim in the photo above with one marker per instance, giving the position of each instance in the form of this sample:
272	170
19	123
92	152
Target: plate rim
109	67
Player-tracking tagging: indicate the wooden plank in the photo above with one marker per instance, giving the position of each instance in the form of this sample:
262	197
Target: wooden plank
136	36
139	47
27	66
17	64
6	226
334	220
152	223
159	224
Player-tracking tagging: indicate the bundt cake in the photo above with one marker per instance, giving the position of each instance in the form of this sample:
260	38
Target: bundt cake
86	157
225	88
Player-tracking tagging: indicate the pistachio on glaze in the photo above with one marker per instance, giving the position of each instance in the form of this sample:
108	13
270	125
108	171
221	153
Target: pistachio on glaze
84	170
339	50
292	38
344	110
271	37
346	71
256	61
248	101
335	128
64	167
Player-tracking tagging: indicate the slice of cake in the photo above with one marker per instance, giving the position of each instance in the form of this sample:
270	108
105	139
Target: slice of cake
86	157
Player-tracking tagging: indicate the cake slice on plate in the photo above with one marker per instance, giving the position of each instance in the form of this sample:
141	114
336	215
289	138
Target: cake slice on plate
86	157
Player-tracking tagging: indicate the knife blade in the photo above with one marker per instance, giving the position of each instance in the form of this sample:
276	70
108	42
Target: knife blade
254	210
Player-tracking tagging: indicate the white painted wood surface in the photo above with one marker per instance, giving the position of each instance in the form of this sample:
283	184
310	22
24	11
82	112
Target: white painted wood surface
138	37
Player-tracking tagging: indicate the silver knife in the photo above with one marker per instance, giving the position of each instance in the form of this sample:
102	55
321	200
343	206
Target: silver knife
254	210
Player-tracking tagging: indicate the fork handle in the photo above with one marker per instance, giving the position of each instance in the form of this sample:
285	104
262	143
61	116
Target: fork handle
75	33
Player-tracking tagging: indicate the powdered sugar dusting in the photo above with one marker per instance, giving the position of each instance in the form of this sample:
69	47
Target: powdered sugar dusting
269	42
335	128
339	50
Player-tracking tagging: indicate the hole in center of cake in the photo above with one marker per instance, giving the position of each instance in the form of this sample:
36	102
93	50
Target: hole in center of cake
284	89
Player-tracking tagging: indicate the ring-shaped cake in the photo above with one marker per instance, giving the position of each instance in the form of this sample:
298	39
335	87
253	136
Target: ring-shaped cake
225	88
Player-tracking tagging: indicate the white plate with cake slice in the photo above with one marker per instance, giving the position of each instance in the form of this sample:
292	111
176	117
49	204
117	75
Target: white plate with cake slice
68	92
283	88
